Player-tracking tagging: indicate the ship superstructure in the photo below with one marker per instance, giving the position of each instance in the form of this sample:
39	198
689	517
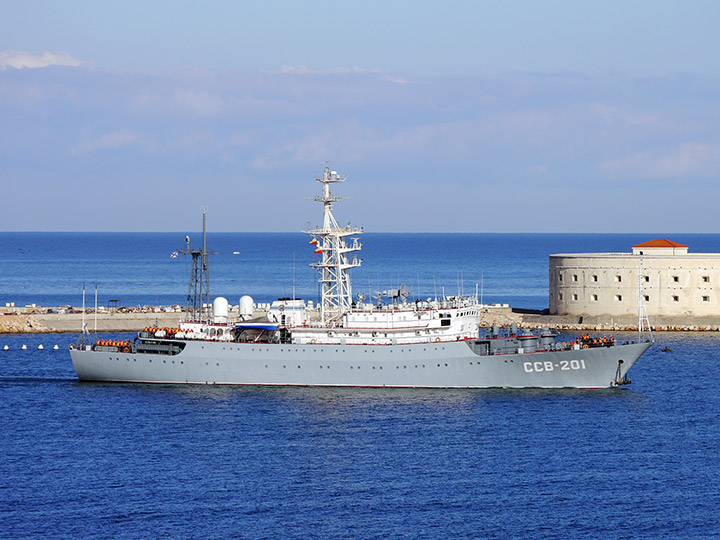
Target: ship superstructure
431	343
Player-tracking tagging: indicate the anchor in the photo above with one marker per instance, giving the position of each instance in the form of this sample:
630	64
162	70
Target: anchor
619	378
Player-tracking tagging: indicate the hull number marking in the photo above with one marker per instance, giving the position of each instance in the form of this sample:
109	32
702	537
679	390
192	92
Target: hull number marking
563	365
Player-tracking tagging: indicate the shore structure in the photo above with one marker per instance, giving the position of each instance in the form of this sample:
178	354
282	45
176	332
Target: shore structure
49	320
660	273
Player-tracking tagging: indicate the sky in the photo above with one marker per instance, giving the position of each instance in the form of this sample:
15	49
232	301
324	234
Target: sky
452	116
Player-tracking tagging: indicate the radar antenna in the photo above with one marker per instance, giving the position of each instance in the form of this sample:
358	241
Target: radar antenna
404	294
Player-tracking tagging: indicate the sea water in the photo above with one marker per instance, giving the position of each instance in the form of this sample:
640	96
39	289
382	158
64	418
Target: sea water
121	461
117	461
50	269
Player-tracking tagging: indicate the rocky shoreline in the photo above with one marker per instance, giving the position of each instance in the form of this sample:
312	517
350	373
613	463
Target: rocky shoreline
69	319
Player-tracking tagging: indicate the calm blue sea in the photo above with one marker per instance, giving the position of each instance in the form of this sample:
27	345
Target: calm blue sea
85	460
50	268
109	461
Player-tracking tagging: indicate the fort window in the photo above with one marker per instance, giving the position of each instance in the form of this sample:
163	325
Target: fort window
706	298
618	279
618	297
559	296
594	297
647	298
676	298
706	279
676	278
594	278
574	296
647	279
574	277
559	277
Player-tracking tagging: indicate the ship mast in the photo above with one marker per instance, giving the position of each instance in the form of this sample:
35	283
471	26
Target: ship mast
198	298
332	245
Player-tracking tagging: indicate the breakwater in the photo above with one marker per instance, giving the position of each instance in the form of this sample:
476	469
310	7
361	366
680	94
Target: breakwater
70	319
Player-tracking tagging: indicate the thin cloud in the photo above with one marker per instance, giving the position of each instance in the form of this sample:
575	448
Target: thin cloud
304	70
115	140
23	59
688	159
613	115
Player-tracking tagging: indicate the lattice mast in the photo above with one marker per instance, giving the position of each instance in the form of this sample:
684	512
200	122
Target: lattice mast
644	330
198	298
332	245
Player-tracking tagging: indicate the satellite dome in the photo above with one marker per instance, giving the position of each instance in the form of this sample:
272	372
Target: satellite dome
246	306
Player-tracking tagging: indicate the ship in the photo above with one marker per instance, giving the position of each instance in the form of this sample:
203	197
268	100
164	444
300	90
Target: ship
386	341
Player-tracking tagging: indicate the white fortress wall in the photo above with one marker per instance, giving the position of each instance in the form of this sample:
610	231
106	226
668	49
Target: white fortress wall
598	284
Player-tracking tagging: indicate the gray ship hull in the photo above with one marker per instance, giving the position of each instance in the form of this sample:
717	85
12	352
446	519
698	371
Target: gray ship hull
436	365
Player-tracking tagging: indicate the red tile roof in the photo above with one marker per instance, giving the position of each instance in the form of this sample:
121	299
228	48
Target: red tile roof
660	242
